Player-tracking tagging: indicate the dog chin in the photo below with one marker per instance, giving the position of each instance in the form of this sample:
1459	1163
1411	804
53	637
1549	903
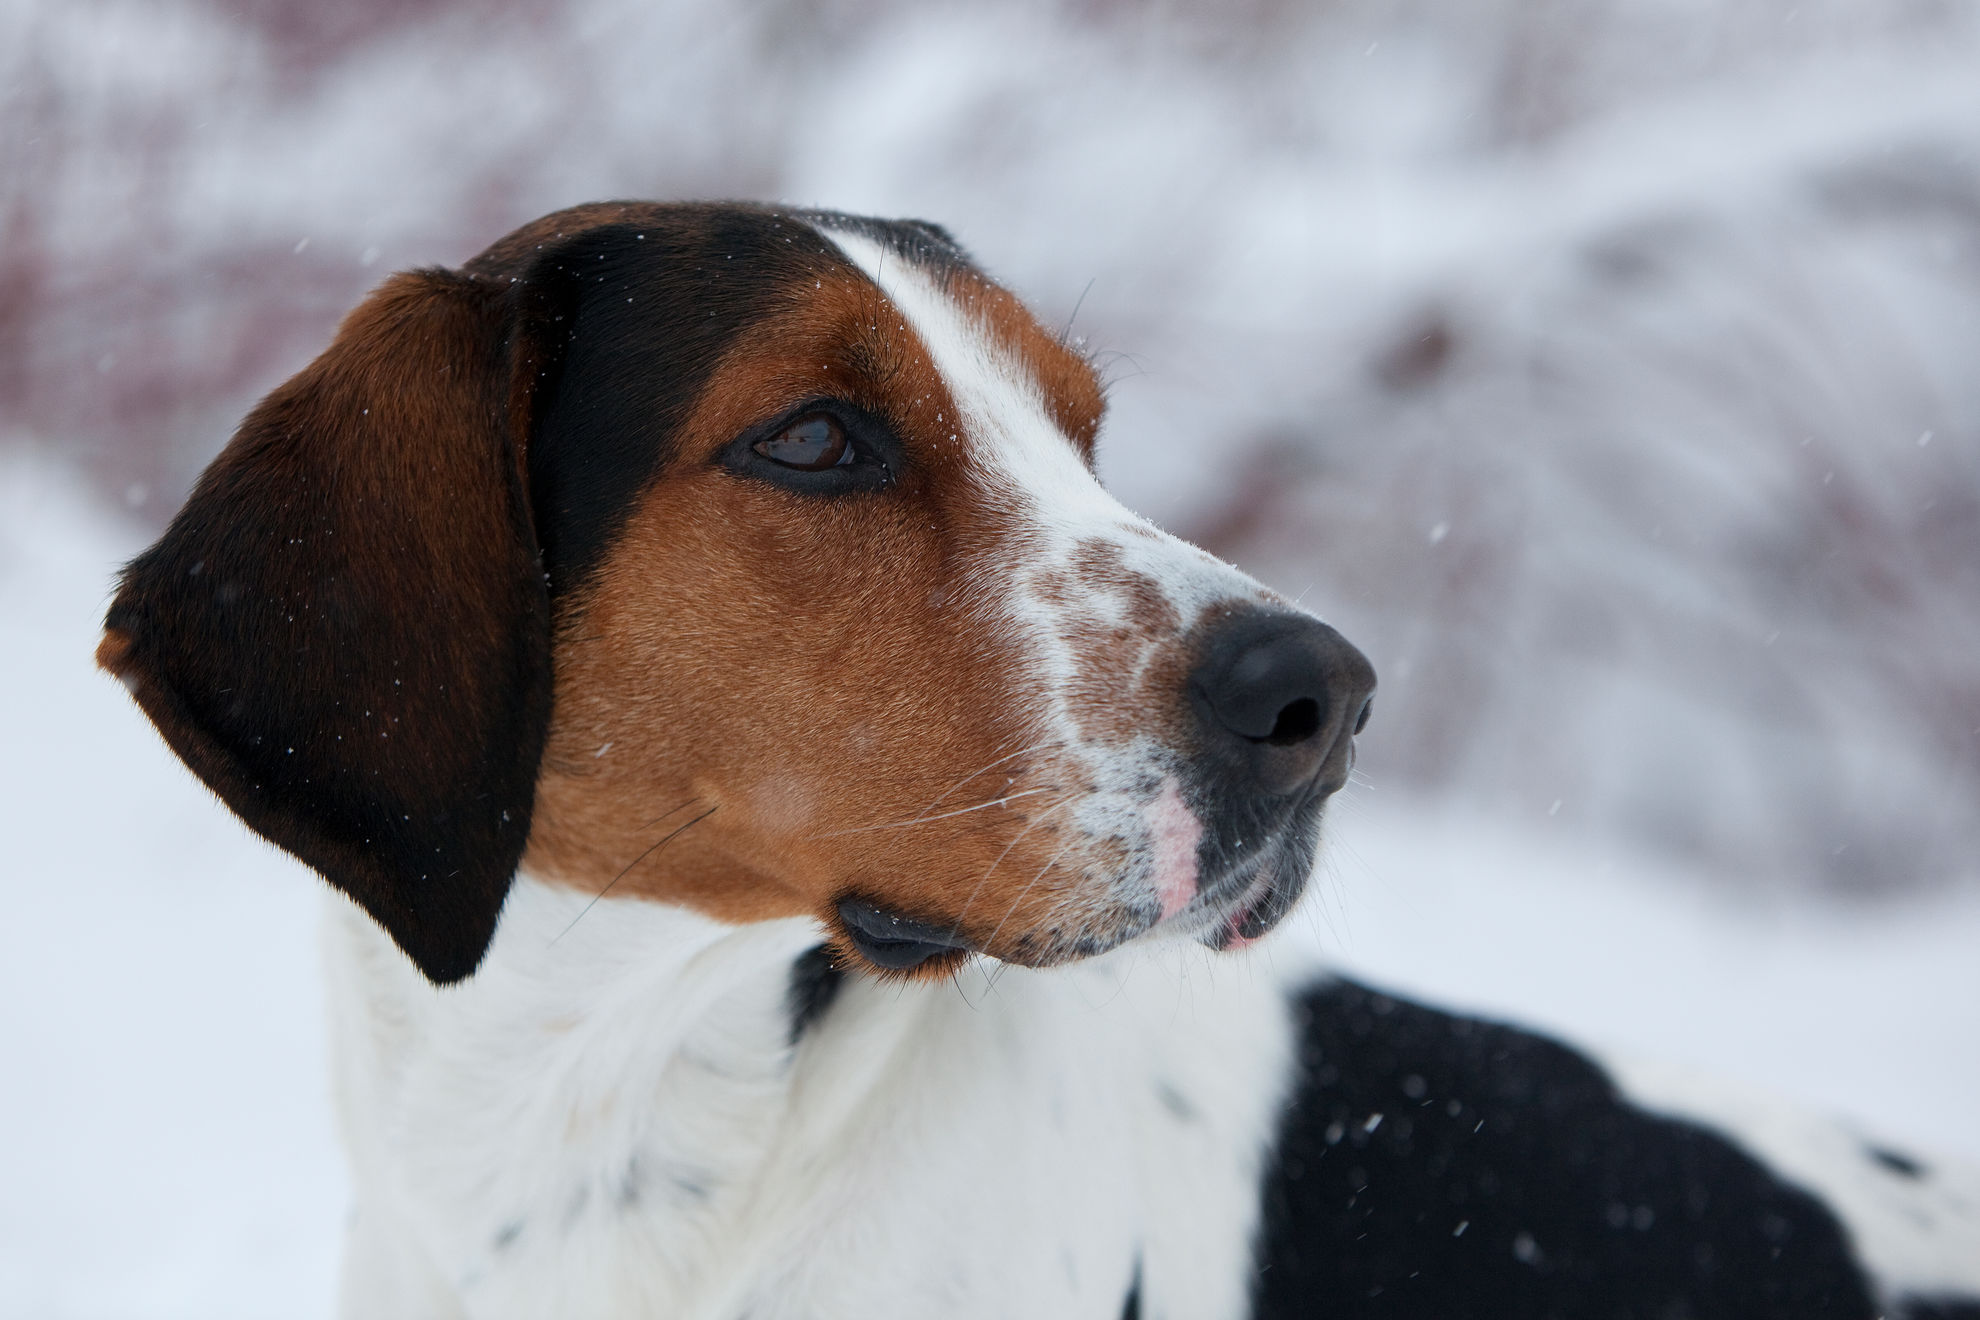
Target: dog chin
1253	895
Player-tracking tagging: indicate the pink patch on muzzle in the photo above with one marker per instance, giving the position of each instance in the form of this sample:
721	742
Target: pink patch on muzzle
1176	832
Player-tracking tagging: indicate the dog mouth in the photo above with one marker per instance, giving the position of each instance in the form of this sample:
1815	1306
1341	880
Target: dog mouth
893	941
1252	890
1268	893
1255	888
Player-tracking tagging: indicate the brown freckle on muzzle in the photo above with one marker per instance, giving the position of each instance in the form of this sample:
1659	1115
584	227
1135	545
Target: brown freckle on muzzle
1101	564
1124	637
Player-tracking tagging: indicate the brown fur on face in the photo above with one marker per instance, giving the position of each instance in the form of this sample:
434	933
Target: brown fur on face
814	687
488	579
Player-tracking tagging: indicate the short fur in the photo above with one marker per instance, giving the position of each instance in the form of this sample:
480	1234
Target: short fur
795	894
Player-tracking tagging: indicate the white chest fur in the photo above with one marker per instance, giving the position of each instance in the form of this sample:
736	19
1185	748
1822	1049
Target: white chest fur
609	1120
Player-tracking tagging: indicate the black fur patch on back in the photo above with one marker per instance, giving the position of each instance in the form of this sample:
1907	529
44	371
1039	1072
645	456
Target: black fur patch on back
1442	1168
1947	1308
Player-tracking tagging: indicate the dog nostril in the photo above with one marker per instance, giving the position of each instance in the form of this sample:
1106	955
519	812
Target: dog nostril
1361	720
1279	698
1297	722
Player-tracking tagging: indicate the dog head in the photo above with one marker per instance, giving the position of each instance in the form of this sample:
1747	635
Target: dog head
744	559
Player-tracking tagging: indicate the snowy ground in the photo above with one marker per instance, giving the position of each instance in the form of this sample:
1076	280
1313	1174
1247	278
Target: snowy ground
167	1147
165	1140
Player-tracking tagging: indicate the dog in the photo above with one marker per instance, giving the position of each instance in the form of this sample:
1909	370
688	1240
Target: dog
797	834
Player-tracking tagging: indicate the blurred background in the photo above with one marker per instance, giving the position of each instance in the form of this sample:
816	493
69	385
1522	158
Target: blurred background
1609	370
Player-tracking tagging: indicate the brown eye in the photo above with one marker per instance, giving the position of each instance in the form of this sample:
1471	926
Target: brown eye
811	444
822	447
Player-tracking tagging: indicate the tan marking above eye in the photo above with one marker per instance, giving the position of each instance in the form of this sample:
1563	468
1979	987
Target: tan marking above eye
812	443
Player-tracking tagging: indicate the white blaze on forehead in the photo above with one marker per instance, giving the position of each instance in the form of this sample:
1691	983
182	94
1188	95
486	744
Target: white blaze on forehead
1014	441
1004	418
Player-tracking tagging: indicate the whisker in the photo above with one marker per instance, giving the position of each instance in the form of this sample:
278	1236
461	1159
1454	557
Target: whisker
1079	302
663	815
1022	751
996	975
669	837
1029	886
912	784
985	879
923	820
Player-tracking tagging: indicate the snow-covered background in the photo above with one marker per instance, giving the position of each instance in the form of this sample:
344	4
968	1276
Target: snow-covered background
1608	369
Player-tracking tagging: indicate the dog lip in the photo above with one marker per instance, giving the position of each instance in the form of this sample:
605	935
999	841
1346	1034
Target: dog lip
1254	895
1261	905
894	941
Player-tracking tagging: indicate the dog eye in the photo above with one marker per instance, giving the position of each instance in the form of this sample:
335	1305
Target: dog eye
822	447
810	444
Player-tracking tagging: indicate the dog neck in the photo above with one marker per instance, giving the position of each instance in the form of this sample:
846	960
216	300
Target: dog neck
615	1115
614	1072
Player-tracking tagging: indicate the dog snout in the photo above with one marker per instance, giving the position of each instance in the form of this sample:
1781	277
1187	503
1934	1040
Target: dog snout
1279	698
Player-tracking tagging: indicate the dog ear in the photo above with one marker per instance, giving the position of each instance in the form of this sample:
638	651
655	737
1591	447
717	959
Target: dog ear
346	631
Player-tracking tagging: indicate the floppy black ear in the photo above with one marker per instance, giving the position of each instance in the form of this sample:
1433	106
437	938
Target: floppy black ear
346	632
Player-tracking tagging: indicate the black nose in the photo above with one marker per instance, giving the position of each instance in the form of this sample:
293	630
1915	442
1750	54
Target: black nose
1280	697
